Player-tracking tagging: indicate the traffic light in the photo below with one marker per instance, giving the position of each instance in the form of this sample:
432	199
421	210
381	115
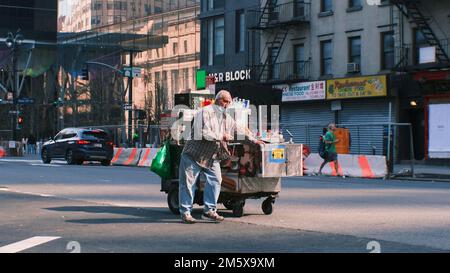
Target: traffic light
84	74
19	122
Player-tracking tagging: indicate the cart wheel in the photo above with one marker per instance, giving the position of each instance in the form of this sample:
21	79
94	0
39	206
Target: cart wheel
228	204
172	201
238	208
267	206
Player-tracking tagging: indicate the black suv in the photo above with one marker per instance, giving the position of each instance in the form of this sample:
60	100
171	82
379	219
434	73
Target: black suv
76	145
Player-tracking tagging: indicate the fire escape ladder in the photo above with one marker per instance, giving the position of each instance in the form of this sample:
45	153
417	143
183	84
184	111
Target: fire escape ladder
275	44
412	10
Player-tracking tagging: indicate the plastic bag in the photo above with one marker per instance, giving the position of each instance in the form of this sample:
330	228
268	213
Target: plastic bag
161	164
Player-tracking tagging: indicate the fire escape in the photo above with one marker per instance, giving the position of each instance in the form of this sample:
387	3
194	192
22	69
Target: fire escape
274	23
412	10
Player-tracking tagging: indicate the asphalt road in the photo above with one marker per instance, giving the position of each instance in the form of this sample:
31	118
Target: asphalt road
121	209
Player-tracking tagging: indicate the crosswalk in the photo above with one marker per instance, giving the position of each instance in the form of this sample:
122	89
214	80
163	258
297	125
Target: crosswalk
33	162
27	244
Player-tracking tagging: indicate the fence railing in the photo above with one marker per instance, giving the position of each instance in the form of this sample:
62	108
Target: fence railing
285	71
393	140
292	12
409	55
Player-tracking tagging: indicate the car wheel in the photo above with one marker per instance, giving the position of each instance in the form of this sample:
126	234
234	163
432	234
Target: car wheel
106	162
70	157
45	156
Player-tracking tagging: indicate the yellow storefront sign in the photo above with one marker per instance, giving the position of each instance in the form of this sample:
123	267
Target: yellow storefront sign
373	86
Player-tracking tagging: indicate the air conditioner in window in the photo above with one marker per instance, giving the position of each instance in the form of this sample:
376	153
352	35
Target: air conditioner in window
353	68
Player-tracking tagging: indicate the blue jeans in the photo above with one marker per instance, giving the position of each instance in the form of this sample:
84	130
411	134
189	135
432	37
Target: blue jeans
189	173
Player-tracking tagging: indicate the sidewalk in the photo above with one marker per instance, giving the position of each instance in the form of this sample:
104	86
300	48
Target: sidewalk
422	171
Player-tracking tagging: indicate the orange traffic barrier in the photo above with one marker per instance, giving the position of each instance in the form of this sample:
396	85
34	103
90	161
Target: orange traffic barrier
363	166
126	157
147	156
117	152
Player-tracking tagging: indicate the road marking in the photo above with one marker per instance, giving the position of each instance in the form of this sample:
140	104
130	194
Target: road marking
26	244
45	165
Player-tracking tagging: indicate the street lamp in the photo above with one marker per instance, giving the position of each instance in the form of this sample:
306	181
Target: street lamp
13	41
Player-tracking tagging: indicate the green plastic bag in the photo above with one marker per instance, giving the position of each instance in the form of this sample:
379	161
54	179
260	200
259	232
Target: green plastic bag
161	163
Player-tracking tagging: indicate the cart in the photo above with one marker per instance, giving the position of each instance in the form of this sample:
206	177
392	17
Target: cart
254	173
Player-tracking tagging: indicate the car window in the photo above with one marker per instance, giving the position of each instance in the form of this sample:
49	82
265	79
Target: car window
59	135
69	135
95	135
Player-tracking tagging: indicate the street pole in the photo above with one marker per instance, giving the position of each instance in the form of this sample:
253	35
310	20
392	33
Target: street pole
14	93
130	101
13	41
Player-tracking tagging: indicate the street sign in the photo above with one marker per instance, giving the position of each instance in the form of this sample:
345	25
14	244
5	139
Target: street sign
14	112
127	107
26	101
6	101
135	72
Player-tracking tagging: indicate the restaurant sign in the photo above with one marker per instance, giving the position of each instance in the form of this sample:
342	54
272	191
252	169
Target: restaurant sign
360	87
303	91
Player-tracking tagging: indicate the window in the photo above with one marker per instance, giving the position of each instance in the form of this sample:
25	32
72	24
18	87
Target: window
326	6
326	52
388	48
299	8
240	31
419	41
299	61
216	41
175	48
185	46
274	68
354	55
219	36
157	80
208	5
175	81
354	4
185	78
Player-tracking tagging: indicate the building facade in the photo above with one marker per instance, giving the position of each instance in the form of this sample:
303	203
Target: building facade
34	23
90	14
228	47
161	45
348	62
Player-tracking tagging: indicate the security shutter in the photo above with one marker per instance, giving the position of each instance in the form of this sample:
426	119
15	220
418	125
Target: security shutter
305	121
359	115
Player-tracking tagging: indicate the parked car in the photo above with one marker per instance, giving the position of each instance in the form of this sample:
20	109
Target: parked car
77	145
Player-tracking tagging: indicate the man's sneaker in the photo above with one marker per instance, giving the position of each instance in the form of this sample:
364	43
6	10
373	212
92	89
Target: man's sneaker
188	219
212	216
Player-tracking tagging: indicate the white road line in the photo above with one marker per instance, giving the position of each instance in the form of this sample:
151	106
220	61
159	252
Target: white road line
26	244
45	165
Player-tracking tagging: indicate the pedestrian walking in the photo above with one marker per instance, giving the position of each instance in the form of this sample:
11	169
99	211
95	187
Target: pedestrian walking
31	144
330	148
24	145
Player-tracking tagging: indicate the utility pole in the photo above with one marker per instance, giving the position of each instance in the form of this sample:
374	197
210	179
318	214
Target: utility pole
130	101
13	42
